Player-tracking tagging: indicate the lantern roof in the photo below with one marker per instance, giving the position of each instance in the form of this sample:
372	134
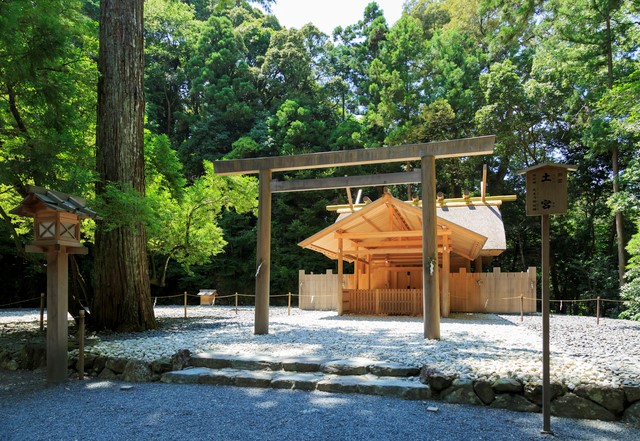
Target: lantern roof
41	199
567	167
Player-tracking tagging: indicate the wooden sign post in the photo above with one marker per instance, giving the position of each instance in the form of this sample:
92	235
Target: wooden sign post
546	194
56	233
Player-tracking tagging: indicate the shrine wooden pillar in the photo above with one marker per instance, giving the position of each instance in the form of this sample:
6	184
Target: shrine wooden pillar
446	273
340	277
430	293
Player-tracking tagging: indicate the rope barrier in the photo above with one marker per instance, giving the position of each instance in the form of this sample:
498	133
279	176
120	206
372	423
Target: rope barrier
168	297
21	301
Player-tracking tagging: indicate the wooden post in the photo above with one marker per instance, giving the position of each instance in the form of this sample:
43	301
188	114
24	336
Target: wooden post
483	190
289	305
263	254
369	271
81	345
546	379
446	274
546	194
340	276
598	310
57	310
431	298
236	302
41	311
478	264
521	308
356	268
185	304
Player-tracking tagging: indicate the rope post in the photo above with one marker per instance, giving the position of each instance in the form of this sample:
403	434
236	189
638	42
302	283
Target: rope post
289	306
41	311
521	308
185	304
236	302
598	310
81	345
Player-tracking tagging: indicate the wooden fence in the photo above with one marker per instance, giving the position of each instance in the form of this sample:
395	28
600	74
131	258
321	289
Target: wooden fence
319	292
496	292
493	292
383	301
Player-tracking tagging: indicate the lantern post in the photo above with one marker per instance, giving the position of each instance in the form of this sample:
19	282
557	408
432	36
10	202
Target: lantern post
546	194
56	230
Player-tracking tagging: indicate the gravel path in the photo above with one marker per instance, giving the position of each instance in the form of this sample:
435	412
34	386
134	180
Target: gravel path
101	410
472	345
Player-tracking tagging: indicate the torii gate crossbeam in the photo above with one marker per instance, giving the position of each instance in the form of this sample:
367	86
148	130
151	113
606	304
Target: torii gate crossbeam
427	153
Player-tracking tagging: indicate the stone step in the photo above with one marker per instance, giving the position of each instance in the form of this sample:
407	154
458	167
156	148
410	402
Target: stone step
398	387
357	366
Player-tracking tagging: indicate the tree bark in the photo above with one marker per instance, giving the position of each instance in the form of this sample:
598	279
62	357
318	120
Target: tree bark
122	298
622	258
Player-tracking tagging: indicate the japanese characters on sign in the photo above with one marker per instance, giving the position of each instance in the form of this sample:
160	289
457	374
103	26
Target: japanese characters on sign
546	189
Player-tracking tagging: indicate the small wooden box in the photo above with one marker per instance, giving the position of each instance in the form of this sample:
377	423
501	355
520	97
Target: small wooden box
207	296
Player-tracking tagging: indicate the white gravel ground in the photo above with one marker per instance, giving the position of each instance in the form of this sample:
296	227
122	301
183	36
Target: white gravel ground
471	345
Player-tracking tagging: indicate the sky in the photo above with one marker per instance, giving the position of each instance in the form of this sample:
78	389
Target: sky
328	14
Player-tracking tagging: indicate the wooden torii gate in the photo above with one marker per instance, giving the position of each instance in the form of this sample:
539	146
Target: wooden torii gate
427	153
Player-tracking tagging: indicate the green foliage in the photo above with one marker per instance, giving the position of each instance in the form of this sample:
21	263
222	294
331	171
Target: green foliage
122	206
631	290
47	98
186	229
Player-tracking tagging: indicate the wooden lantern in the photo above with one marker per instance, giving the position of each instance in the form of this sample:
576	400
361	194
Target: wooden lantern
57	234
56	217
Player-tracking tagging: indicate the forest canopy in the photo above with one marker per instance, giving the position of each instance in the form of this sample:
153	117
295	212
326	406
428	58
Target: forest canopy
554	80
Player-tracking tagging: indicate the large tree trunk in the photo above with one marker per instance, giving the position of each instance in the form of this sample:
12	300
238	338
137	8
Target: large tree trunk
122	291
622	258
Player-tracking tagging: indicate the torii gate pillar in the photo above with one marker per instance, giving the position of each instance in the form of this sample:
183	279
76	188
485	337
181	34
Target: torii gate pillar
263	254
430	296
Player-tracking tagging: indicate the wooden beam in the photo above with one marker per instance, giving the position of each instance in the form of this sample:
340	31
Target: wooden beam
345	182
387	234
400	268
388	243
482	145
362	251
451	202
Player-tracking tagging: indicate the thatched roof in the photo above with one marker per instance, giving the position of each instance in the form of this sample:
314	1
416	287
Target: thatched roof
482	219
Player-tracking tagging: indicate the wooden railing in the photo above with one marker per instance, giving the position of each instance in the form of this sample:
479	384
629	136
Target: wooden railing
383	301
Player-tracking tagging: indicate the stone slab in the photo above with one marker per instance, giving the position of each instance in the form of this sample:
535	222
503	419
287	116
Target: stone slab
390	369
219	360
299	381
253	379
187	376
303	364
354	366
